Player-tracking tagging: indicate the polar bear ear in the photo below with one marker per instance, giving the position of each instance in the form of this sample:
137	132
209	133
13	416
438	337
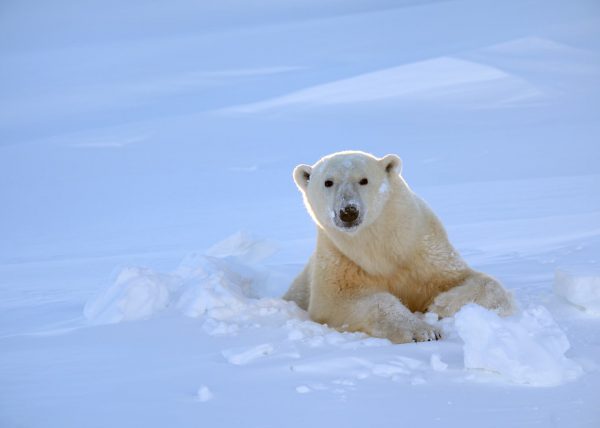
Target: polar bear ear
391	163
302	176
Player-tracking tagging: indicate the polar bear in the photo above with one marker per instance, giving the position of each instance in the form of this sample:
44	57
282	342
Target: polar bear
381	253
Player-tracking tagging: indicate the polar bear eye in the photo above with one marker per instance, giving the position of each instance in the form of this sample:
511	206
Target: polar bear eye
363	182
328	183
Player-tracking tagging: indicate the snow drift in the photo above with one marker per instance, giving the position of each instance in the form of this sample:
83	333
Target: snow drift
527	349
224	288
221	284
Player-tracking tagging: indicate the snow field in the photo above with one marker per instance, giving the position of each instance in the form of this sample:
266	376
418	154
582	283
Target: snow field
223	288
132	135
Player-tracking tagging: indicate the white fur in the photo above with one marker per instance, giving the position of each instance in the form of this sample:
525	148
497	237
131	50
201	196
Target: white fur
372	276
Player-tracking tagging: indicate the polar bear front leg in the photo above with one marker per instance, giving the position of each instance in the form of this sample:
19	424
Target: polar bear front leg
379	315
477	288
299	291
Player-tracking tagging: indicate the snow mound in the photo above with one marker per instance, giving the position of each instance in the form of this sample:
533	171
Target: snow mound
137	293
581	291
222	284
244	248
526	349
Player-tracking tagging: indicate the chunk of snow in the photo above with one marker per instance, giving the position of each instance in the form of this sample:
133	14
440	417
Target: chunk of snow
294	335
137	293
244	247
204	394
215	295
437	364
528	349
582	291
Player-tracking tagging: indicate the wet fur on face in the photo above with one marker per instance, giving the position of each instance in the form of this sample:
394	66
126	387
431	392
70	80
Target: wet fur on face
346	191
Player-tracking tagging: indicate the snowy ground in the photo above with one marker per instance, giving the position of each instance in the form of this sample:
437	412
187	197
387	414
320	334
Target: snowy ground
149	220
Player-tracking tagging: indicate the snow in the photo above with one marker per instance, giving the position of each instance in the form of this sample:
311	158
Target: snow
439	80
218	287
221	288
303	389
437	364
582	291
204	394
527	350
248	355
137	139
218	283
137	293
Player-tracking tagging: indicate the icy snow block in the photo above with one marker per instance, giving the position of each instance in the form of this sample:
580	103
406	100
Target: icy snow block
137	293
582	291
526	349
244	247
215	296
237	262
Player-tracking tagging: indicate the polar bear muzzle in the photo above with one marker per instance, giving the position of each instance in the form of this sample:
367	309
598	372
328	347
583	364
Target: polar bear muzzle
349	214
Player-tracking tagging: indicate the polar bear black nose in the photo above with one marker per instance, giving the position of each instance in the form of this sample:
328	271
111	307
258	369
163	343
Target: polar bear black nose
349	214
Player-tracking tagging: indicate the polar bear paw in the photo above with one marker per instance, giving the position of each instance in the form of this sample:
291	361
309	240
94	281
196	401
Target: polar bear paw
479	289
415	332
447	304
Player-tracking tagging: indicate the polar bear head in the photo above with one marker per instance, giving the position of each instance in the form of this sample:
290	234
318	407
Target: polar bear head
347	191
